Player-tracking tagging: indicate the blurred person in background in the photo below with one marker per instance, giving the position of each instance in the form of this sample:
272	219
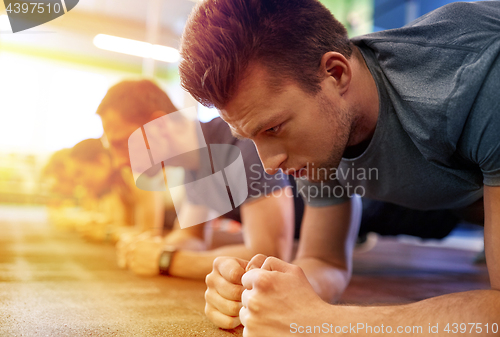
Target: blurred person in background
57	177
266	219
106	197
123	112
58	181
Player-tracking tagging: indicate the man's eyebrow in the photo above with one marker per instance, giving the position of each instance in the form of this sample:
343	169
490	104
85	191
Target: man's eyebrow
259	128
236	135
266	124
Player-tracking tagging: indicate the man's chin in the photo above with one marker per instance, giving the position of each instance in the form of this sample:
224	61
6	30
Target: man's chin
316	180
318	175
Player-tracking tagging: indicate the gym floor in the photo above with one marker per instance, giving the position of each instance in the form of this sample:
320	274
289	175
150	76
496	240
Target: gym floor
53	283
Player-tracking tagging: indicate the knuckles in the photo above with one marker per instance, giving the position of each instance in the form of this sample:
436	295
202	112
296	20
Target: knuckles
209	280
251	322
234	308
230	322
296	270
217	262
233	272
209	313
253	305
263	281
235	292
207	297
235	276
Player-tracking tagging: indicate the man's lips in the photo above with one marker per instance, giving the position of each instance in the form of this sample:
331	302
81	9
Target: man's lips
297	173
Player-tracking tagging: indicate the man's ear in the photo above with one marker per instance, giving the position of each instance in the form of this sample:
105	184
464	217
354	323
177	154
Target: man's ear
337	68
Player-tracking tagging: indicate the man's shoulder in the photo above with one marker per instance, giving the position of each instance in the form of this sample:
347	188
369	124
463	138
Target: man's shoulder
433	69
460	25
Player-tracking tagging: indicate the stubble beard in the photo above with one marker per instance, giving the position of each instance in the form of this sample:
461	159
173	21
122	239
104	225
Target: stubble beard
341	118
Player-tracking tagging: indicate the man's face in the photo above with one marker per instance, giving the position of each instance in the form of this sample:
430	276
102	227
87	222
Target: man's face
117	132
291	129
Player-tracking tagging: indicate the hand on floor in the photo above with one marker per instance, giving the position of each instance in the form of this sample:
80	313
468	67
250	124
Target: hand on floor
224	289
123	246
278	296
144	255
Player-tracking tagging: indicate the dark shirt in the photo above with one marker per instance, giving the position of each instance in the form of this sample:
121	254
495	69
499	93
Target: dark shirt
437	139
258	182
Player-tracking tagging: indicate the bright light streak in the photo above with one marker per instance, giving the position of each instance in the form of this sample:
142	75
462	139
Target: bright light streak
165	54
124	46
5	23
136	48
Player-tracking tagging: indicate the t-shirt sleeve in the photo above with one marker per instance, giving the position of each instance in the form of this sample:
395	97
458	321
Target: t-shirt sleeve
489	153
212	194
480	141
322	194
192	197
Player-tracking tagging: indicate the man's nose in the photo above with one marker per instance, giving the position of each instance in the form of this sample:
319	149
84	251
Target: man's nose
271	157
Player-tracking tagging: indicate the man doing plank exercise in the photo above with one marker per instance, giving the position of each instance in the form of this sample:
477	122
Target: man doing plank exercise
420	104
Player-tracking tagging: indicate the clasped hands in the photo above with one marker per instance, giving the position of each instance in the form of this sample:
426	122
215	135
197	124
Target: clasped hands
264	294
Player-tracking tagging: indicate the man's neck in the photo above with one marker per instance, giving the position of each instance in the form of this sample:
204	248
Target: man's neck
365	107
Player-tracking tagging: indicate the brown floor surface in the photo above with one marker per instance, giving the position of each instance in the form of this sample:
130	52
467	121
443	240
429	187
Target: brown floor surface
54	284
393	272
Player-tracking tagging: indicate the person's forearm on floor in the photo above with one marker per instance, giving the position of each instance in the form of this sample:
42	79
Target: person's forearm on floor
451	312
480	308
197	265
261	235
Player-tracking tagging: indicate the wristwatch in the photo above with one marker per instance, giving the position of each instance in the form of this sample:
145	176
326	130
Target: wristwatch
166	259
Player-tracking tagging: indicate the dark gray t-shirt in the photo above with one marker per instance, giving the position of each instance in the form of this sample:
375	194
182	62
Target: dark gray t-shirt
259	183
437	139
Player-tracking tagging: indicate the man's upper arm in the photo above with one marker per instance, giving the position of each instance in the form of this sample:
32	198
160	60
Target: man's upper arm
492	233
268	224
329	233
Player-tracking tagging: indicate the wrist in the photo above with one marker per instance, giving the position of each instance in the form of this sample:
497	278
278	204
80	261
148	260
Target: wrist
165	260
328	281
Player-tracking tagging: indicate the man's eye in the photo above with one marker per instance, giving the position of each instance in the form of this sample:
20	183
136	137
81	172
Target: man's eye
274	129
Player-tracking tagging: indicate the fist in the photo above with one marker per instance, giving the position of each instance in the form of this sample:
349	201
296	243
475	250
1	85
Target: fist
276	295
224	289
123	246
144	256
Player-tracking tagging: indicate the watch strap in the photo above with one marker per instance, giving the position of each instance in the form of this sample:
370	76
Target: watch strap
166	257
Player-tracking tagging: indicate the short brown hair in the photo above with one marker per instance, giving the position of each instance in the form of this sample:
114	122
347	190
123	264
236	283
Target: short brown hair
136	100
288	37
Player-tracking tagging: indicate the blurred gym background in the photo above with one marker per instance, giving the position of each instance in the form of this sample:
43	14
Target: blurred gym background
52	77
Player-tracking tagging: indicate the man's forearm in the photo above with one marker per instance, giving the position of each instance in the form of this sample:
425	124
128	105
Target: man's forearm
472	313
327	281
197	265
